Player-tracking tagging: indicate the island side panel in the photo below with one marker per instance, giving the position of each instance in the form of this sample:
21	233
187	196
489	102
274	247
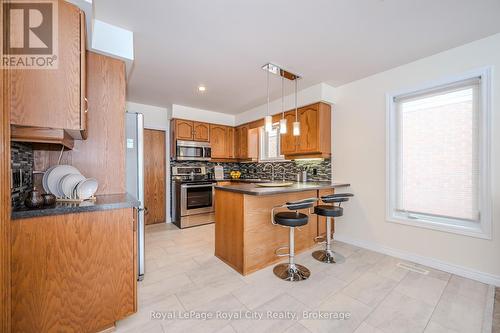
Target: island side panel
229	207
262	238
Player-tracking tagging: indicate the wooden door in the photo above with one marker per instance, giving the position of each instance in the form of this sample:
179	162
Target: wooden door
288	140
308	141
230	142
184	129
218	141
154	176
52	98
201	131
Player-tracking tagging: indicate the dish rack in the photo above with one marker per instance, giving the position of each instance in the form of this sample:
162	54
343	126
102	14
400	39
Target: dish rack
68	184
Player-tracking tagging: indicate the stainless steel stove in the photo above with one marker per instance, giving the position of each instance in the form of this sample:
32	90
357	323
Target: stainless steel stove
193	196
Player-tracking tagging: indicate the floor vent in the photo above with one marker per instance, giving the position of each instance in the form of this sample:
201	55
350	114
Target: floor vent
412	268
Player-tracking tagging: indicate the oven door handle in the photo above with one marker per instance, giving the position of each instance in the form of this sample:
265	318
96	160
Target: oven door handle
194	186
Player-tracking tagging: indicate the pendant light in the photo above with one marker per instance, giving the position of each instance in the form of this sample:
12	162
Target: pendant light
296	123
283	119
268	120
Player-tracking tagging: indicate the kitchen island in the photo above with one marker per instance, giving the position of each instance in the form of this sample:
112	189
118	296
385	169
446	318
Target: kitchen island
245	238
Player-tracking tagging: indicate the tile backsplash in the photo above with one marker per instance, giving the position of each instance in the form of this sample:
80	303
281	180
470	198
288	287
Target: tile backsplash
22	172
317	170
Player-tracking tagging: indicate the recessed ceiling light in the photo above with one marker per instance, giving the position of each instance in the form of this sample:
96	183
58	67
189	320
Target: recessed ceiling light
202	88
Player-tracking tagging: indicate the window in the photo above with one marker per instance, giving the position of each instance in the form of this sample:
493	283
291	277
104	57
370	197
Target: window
270	144
438	156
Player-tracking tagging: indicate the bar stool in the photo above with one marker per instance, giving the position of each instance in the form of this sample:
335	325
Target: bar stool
328	255
292	219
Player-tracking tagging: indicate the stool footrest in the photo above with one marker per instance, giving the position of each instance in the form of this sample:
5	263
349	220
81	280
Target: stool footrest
320	239
279	249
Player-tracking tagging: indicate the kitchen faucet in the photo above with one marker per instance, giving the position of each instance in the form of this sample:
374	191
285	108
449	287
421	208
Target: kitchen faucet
283	171
272	169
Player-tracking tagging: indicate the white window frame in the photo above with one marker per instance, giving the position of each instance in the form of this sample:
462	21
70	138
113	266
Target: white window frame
263	146
473	229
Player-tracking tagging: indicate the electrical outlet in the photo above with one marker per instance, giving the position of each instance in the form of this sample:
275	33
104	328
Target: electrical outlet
315	172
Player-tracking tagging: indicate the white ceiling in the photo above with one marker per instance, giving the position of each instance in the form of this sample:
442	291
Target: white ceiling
180	44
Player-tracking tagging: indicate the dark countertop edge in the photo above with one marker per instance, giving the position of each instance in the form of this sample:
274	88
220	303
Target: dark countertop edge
103	202
282	190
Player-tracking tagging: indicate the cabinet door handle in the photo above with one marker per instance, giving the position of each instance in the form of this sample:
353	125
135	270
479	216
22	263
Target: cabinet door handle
86	104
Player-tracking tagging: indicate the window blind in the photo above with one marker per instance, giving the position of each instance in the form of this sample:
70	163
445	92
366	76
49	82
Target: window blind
438	151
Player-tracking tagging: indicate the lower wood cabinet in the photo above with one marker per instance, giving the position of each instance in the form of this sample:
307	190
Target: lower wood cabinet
74	272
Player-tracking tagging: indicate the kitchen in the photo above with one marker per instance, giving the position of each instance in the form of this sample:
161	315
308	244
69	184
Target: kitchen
176	167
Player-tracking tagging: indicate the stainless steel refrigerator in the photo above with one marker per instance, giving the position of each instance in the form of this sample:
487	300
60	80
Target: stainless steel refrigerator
134	136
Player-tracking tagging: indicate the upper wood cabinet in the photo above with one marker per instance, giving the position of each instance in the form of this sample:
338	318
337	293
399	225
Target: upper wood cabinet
243	142
55	98
190	130
230	143
315	132
288	141
218	141
201	132
184	130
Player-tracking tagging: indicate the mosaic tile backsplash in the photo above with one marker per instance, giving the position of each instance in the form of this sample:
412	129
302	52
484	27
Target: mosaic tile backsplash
22	172
317	170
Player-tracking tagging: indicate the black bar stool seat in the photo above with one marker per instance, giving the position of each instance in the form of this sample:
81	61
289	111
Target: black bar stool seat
291	219
330	211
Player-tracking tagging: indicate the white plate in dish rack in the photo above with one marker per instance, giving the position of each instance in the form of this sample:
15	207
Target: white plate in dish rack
55	176
68	183
44	179
86	188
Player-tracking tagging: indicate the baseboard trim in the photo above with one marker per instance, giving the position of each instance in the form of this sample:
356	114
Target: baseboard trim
427	261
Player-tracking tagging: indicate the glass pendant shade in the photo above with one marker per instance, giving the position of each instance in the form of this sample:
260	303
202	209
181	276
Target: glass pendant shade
296	128
268	123
283	126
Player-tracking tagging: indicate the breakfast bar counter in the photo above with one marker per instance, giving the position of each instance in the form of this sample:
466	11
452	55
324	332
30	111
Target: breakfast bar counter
245	237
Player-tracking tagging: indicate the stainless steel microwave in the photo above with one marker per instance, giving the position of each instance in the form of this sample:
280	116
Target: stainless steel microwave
193	151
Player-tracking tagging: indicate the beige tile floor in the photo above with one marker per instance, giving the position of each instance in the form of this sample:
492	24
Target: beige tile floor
184	277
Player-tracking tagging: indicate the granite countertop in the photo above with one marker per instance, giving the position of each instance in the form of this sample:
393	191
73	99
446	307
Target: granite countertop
252	189
243	180
103	202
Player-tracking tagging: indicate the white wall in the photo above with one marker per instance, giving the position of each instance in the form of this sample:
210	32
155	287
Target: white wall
359	141
313	94
189	113
157	118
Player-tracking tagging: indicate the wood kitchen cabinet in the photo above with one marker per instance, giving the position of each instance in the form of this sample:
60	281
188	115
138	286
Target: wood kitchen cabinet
201	132
288	141
230	143
315	132
241	142
184	129
55	98
218	141
222	142
73	272
190	130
